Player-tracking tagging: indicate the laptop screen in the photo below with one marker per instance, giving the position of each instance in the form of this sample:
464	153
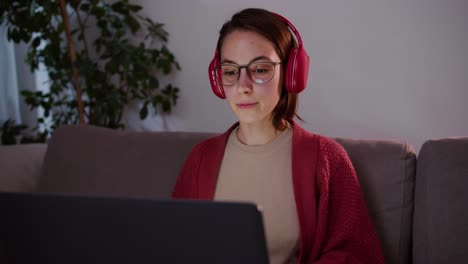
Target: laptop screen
46	228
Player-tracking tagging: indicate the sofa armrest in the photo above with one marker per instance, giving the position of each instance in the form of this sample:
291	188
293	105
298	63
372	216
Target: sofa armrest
20	166
441	202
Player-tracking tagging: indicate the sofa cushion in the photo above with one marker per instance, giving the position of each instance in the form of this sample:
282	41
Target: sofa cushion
441	202
20	166
386	171
91	160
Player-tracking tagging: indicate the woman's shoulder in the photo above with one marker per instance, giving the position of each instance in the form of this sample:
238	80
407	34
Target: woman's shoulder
209	142
213	143
332	159
326	145
331	147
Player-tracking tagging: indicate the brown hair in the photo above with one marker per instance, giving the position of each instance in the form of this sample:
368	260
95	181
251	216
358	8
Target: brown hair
271	27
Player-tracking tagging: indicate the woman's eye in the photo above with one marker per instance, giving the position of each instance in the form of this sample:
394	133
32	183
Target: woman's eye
229	73
260	70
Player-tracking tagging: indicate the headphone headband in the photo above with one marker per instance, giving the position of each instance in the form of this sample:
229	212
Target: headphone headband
293	29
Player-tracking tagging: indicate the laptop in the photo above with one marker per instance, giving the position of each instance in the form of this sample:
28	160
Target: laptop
52	228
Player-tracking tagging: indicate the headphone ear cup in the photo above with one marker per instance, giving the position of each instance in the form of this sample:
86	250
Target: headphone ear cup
297	70
217	87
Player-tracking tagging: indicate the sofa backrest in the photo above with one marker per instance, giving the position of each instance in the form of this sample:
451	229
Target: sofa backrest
441	202
20	166
99	161
89	160
386	172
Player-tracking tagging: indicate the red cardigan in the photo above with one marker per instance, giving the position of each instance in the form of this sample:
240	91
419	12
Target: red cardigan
334	222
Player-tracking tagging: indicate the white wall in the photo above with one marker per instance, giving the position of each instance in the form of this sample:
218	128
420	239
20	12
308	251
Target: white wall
395	69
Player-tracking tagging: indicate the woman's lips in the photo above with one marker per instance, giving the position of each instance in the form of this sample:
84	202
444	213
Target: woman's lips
246	105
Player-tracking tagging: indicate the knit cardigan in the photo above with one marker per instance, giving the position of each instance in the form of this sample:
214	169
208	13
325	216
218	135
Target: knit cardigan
335	226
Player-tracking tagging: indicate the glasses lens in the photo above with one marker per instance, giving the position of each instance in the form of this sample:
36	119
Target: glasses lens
261	72
229	74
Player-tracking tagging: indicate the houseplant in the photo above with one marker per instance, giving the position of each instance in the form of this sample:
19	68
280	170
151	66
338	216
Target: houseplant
99	56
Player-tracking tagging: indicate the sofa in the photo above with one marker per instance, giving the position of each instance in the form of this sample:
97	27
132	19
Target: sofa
417	202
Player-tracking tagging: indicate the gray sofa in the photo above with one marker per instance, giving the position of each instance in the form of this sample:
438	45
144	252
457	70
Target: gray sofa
418	203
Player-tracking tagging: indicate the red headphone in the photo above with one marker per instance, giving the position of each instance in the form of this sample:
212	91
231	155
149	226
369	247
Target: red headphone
297	68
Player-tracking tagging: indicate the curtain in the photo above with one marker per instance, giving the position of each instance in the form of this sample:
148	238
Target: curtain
15	75
9	90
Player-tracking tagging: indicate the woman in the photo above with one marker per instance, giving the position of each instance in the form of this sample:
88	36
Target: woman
312	204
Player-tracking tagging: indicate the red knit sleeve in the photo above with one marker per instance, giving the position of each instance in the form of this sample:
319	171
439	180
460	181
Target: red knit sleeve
345	233
187	181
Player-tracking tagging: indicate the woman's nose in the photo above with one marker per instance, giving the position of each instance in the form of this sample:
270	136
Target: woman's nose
244	83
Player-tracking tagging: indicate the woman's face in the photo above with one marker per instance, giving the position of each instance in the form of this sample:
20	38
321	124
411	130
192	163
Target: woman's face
252	102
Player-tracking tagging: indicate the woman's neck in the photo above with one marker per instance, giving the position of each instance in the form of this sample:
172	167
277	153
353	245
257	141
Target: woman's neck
256	134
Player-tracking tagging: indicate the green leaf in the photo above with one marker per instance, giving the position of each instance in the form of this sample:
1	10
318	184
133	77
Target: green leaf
166	106
132	23
144	111
112	66
74	3
36	42
153	82
26	93
135	8
84	7
15	35
119	7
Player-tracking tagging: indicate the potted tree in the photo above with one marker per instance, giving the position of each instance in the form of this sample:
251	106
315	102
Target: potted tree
99	56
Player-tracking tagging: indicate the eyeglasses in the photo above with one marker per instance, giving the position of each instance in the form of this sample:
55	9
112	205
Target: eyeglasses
258	71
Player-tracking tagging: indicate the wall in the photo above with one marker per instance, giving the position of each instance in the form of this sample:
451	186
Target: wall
379	69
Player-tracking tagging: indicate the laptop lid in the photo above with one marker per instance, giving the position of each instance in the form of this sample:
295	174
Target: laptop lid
45	228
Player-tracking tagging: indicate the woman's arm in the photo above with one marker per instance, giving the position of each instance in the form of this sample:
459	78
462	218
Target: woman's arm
187	179
345	233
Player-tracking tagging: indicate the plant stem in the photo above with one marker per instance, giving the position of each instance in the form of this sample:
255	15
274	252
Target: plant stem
72	51
85	44
127	93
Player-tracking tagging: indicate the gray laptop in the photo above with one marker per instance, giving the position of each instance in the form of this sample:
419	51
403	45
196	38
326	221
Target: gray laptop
45	228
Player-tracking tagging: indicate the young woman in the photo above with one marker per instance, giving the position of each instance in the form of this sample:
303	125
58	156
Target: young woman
312	204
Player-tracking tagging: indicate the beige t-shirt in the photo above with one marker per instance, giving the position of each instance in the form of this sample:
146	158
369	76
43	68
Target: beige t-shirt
262	174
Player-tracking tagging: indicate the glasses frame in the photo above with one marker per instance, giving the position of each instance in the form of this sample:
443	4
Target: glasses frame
246	67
